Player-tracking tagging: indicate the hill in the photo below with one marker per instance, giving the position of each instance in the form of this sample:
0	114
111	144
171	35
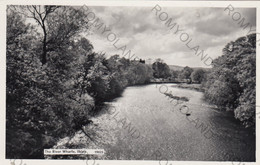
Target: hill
179	68
175	67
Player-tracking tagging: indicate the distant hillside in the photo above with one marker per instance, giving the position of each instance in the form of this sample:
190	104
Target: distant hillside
179	68
175	67
205	69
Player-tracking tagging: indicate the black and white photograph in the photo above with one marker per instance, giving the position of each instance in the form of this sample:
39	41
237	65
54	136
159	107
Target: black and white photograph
155	82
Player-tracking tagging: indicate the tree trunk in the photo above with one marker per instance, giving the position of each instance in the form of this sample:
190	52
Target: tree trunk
44	49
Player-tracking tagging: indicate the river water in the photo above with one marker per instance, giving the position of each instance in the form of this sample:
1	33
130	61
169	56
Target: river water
144	124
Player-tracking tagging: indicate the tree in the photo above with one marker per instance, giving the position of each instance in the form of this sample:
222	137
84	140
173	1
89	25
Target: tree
97	77
161	69
141	73
58	25
21	71
198	75
52	97
39	14
222	89
44	103
231	83
186	73
174	74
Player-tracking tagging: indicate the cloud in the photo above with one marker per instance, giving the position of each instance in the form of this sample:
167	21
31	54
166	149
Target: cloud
217	22
148	37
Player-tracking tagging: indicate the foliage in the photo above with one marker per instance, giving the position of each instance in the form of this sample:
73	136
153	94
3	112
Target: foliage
231	84
186	73
161	69
48	100
42	101
174	74
198	75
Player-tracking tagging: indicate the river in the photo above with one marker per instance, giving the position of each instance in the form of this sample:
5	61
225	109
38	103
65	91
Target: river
144	124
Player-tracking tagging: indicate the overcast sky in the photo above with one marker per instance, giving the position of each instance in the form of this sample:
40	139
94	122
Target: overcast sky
148	37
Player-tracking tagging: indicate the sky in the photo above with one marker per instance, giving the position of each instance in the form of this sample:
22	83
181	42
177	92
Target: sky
146	35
